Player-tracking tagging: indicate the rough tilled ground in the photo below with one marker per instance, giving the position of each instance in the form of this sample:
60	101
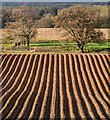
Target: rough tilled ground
55	86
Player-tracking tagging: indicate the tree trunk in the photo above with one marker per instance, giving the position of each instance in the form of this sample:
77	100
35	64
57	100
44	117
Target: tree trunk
81	49
24	43
28	44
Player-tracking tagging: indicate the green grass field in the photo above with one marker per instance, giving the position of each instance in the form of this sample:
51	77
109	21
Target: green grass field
106	44
89	47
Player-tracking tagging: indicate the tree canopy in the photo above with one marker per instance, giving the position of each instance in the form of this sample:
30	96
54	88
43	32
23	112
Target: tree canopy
24	25
79	22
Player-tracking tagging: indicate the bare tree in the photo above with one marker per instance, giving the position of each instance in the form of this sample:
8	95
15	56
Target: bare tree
24	25
79	22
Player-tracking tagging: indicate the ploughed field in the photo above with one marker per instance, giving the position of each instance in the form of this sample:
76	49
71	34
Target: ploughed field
55	86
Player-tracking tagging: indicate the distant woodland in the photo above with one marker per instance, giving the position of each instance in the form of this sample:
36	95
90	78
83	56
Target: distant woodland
49	4
47	10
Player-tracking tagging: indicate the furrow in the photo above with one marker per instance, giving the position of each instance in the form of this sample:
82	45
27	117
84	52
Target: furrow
108	58
3	57
23	96
104	106
93	80
49	97
107	66
47	92
62	115
67	89
2	65
13	93
57	102
4	62
97	105
52	113
105	70
9	82
65	98
40	76
9	65
5	68
29	104
18	79
55	86
99	68
79	100
106	61
41	97
10	73
18	92
84	93
100	77
97	78
12	80
6	79
70	84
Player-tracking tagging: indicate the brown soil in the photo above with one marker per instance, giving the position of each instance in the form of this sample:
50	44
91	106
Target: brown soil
55	86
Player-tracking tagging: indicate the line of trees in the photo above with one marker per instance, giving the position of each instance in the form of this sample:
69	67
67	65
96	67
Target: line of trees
47	12
77	21
50	4
22	23
43	12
